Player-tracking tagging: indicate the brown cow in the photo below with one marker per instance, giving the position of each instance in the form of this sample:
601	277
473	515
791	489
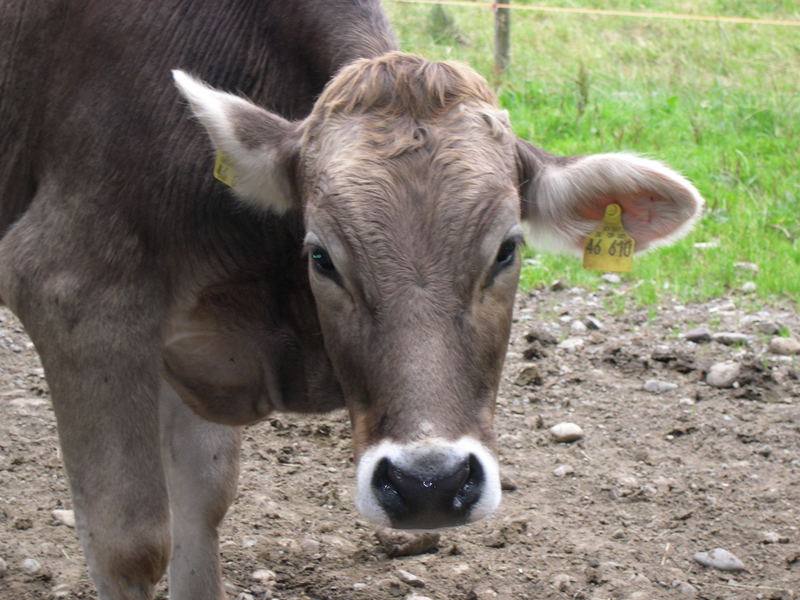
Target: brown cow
372	262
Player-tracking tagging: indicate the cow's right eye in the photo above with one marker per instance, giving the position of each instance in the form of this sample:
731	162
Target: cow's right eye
322	262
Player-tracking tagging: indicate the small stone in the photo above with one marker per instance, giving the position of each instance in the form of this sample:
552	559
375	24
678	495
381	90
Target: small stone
566	432
245	596
699	335
563	470
572	344
686	402
655	386
403	543
65	517
529	376
723	374
562	582
640	595
309	545
31	566
540	335
684	588
593	323
784	346
3	567
578	327
23	523
507	483
264	576
705	245
413	596
62	590
611	278
359	585
746	266
768	328
748	287
719	559
772	537
730	338
410	578
557	286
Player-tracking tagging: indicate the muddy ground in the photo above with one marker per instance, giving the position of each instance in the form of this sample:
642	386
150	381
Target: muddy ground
617	514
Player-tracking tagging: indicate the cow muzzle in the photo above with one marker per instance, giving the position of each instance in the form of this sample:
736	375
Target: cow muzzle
427	484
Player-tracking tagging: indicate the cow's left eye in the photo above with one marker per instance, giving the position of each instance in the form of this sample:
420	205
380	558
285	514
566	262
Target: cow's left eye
322	262
505	255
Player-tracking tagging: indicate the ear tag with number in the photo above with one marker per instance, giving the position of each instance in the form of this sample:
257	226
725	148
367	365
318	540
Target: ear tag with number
223	170
609	248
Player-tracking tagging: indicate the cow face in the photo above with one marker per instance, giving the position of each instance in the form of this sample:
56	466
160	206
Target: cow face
413	190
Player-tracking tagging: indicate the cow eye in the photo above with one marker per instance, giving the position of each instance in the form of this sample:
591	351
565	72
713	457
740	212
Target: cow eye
322	261
505	255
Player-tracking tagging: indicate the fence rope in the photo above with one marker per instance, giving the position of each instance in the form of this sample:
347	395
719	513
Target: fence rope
610	12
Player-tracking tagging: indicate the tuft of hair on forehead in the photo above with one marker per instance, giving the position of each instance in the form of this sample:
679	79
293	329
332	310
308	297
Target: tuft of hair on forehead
402	84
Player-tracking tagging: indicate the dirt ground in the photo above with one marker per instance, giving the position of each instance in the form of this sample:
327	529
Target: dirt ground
620	513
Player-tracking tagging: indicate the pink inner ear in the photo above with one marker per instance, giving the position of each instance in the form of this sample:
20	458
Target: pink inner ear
646	216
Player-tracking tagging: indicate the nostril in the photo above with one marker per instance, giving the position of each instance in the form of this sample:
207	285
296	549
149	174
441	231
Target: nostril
470	490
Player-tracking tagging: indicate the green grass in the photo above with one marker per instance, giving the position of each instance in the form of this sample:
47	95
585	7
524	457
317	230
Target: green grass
718	102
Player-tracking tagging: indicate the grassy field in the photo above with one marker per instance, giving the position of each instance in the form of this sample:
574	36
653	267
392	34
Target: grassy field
718	102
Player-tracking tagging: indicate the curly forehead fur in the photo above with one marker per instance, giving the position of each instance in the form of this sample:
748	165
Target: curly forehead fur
402	84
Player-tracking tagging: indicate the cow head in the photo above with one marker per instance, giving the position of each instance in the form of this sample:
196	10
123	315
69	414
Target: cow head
414	190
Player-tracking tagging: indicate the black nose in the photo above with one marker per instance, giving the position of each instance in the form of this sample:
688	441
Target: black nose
424	495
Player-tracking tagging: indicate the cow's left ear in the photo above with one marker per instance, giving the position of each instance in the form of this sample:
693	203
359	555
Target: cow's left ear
564	197
259	147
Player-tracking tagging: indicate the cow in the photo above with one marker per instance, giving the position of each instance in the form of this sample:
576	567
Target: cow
366	257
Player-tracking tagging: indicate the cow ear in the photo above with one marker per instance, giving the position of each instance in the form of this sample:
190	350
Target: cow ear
258	147
564	197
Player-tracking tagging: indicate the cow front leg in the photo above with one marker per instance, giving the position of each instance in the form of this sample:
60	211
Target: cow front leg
109	432
201	461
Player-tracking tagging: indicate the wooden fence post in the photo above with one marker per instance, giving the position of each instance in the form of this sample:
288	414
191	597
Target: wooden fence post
502	44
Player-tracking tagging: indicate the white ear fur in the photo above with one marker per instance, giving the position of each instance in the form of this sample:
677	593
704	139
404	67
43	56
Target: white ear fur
561	189
260	176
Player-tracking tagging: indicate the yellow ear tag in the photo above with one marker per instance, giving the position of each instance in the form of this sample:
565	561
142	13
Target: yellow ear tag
609	248
223	170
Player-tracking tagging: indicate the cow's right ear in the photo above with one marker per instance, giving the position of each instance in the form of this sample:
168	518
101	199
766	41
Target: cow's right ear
259	147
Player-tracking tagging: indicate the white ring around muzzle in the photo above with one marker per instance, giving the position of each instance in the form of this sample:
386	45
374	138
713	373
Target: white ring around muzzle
405	454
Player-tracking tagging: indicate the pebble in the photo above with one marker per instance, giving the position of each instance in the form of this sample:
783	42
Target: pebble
784	346
698	335
529	376
611	278
705	245
746	266
557	286
566	432
62	590
684	588
768	327
3	567
31	566
403	543
730	338
507	483
723	374
748	287
593	323
562	582
659	387
263	575
572	344
686	402
245	596
413	596
65	517
772	537
563	470
410	578
578	327
720	559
